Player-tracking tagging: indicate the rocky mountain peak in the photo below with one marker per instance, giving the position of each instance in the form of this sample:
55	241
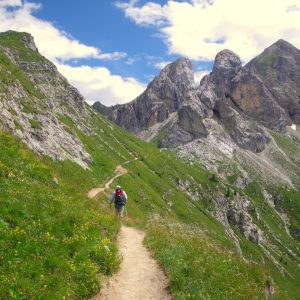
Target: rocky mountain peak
227	64
25	38
179	72
104	110
227	60
28	41
273	78
163	96
281	55
244	100
283	45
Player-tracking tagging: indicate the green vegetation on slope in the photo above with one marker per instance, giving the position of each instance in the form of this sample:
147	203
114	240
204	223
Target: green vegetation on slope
9	73
152	186
54	242
286	198
281	246
15	41
289	200
266	59
199	267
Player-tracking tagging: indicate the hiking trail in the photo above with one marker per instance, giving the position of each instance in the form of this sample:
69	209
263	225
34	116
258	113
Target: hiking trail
140	277
118	172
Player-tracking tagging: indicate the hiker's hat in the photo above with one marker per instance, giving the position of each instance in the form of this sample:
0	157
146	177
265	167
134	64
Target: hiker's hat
118	187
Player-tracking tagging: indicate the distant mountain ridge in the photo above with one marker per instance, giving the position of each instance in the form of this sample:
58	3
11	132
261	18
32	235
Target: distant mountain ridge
244	100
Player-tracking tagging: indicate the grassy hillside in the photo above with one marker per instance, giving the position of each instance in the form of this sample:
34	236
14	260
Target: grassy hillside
59	249
200	267
151	184
55	242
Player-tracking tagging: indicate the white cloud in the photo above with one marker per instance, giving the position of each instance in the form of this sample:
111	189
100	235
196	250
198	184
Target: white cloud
160	65
150	14
95	83
201	28
53	43
10	3
98	84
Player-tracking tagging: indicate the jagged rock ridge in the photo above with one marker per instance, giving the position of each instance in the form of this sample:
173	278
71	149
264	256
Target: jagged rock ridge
163	96
244	100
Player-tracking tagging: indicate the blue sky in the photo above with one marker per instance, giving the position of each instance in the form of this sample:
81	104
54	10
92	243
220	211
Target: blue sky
110	50
101	24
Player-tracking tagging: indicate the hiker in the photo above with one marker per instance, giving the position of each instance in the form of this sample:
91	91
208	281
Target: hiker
119	197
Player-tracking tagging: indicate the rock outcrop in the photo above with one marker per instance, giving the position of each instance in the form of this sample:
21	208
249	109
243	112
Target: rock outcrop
246	133
235	210
163	96
268	87
36	101
28	40
245	100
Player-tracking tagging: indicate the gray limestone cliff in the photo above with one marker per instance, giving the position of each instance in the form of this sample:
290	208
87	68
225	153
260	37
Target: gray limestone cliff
36	101
268	87
163	96
244	100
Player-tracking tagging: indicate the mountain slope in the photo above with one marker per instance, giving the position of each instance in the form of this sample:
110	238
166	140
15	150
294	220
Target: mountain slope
237	105
271	83
265	90
53	239
234	122
242	231
34	96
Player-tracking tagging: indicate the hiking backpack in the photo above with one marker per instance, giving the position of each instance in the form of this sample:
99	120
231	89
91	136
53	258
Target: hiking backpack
119	197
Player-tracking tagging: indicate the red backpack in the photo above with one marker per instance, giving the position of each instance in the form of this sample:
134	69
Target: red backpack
119	198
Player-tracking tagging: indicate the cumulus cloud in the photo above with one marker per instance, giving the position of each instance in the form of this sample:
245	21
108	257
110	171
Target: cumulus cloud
150	14
201	28
10	3
52	42
98	84
95	83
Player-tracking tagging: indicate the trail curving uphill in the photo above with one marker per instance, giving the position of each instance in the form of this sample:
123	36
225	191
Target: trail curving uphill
140	277
118	172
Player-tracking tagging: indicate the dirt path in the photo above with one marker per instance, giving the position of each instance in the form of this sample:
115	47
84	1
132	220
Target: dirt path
118	172
140	277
